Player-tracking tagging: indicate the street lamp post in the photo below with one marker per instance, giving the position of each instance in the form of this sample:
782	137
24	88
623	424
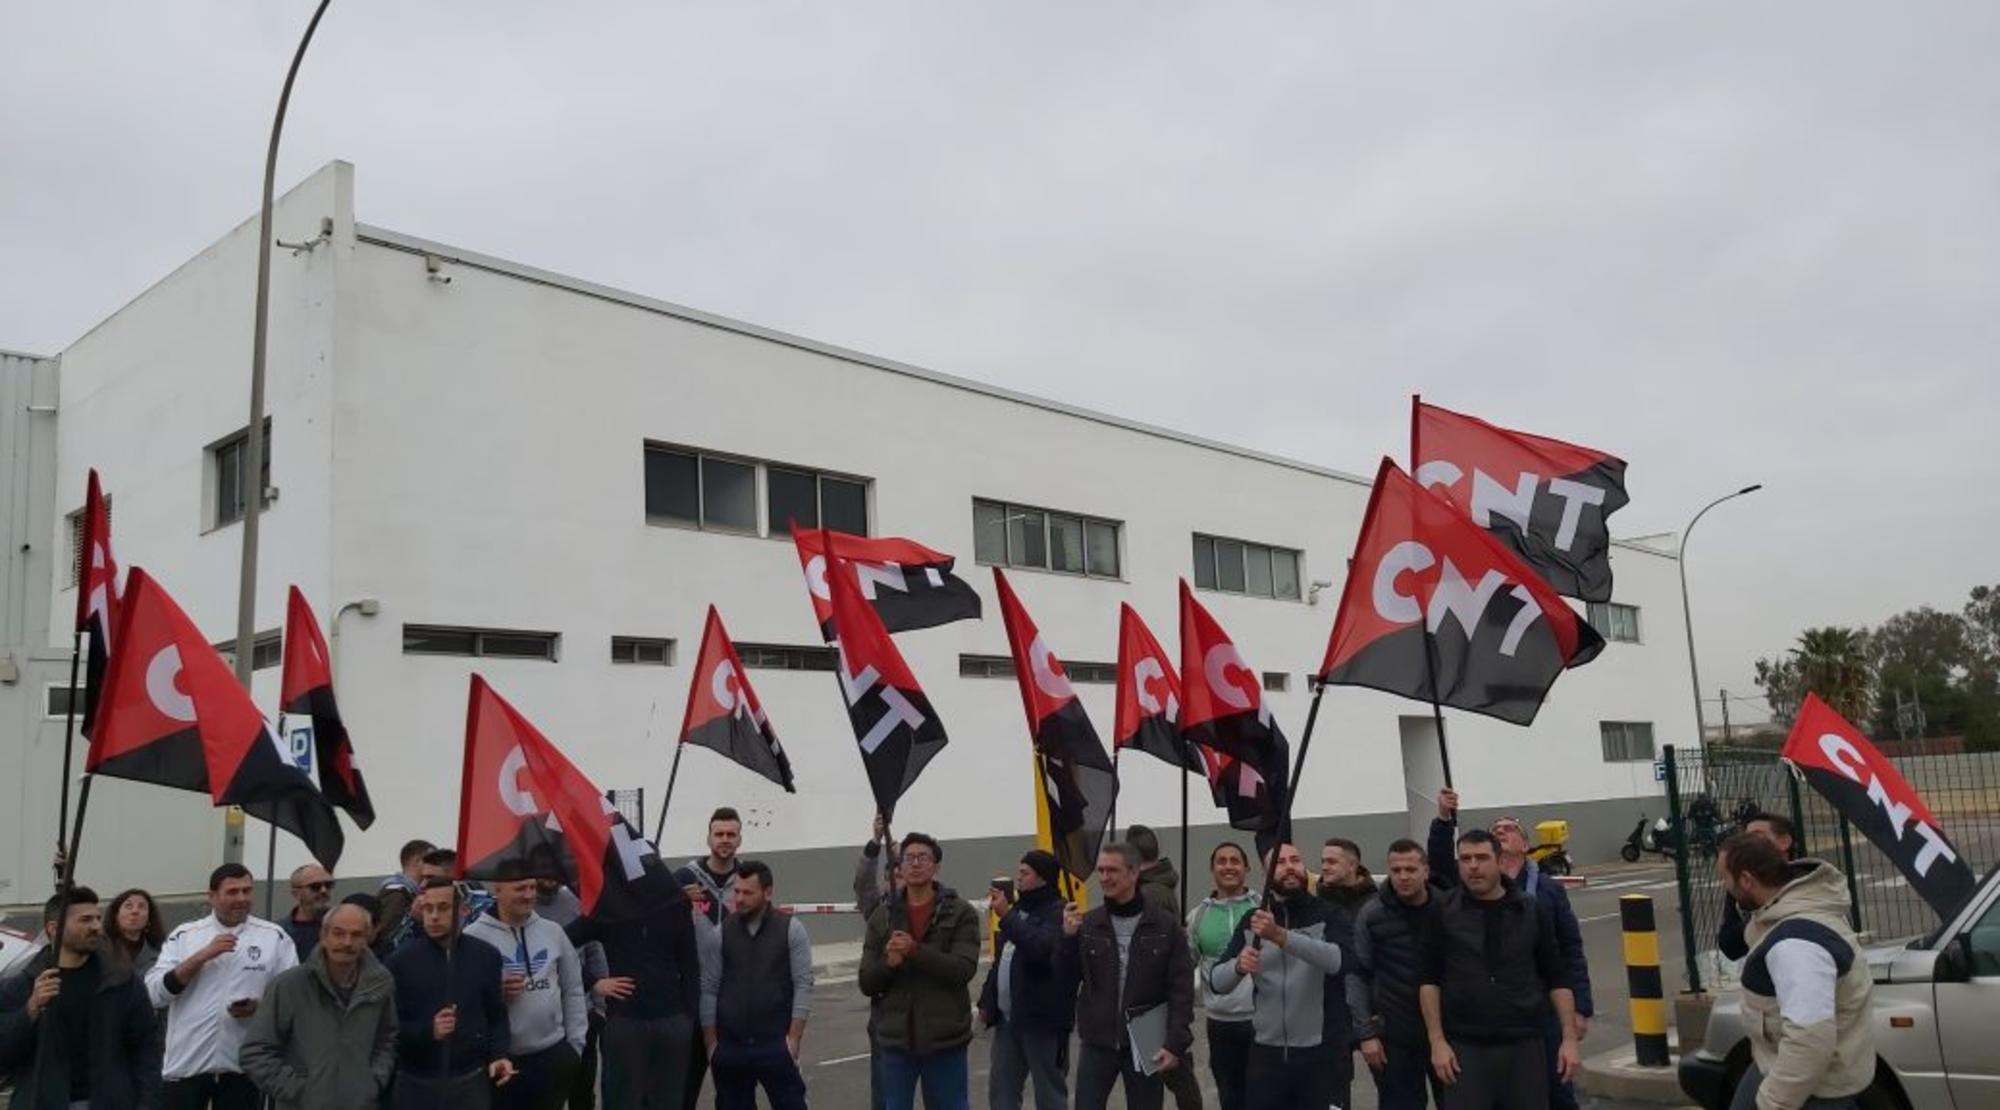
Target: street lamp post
1687	619
253	448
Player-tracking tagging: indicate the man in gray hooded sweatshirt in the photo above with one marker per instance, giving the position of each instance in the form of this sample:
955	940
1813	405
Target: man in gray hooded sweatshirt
542	981
1285	950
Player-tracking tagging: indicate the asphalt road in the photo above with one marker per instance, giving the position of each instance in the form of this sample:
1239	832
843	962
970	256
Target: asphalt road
836	1048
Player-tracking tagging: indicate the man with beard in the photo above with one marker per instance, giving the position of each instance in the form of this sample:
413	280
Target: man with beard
1029	1000
312	892
76	1028
1285	950
454	1035
1345	886
1382	983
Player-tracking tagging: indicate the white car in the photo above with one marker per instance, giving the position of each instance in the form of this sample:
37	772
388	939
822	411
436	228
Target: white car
15	950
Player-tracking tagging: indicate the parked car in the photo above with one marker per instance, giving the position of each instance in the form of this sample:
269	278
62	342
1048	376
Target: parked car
1935	1011
15	948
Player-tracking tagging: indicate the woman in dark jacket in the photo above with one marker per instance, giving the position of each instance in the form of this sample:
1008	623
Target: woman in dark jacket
132	924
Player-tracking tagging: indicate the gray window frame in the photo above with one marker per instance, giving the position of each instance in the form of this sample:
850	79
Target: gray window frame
787	657
1270	551
1604	617
1013	510
1080	673
1622	735
267	650
634	643
236	442
479	637
760	493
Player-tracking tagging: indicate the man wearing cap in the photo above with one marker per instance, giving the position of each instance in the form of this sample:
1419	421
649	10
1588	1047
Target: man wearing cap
1029	1000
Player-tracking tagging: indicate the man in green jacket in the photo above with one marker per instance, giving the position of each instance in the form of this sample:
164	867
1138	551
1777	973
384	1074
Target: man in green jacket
324	1037
917	964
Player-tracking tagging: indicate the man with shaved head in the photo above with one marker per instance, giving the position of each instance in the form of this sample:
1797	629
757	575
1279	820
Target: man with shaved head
312	892
324	1036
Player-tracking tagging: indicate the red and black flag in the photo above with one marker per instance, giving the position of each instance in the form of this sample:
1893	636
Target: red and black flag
173	714
1866	788
1545	499
524	811
1421	565
1077	780
97	595
308	693
1246	756
723	713
893	721
909	585
1149	696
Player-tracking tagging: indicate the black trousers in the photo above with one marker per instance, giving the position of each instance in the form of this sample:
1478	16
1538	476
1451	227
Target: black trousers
1287	1078
1508	1075
740	1067
1339	1064
1405	1081
646	1062
583	1085
225	1090
697	1068
1100	1069
1229	1061
470	1090
541	1080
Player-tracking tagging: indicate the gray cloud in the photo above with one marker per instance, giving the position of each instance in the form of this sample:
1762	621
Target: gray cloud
1729	244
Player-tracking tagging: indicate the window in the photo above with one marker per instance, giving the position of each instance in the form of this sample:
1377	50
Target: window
57	700
1237	567
76	542
228	488
1627	741
642	649
1019	536
1277	682
269	650
716	492
1002	666
496	643
1616	622
786	657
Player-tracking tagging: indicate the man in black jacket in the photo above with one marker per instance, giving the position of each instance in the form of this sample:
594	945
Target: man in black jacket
76	1026
1029	1000
1132	958
1382	984
452	1032
652	1003
1490	973
1346	887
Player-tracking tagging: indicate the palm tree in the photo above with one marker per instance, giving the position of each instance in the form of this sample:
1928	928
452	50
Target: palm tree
1833	663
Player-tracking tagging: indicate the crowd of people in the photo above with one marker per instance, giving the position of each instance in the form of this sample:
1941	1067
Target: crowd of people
1459	977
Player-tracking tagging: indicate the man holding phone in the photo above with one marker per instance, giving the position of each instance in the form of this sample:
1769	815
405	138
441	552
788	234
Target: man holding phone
1029	1000
209	976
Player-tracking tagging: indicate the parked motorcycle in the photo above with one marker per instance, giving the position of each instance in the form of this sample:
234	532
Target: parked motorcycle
1656	838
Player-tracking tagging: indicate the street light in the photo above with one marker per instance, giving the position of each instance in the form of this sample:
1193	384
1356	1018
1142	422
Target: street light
1687	618
253	453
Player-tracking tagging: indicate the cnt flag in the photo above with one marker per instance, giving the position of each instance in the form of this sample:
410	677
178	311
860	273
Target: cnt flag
723	713
173	714
909	585
524	811
308	692
1224	716
1851	773
893	721
97	596
1545	499
1421	563
1149	696
1077	780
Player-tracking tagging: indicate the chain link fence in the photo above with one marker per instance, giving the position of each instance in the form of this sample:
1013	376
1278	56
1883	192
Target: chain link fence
1710	795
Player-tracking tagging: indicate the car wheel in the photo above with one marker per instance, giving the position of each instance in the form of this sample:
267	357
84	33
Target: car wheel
1880	1096
1629	853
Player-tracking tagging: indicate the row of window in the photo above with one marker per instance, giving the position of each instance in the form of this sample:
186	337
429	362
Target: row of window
1615	622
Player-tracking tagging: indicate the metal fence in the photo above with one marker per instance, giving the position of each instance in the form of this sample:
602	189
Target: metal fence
1709	796
630	804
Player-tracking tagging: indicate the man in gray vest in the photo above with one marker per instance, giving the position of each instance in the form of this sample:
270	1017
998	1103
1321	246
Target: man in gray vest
754	1004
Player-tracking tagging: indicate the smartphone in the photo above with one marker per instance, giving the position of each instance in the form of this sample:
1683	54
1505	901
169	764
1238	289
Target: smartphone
1005	886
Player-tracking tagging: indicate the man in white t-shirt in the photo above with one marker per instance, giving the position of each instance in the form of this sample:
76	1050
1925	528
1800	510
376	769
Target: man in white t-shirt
209	976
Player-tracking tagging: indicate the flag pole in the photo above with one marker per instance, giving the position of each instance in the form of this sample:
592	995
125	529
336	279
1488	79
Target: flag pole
69	735
673	773
1111	818
1187	754
1437	710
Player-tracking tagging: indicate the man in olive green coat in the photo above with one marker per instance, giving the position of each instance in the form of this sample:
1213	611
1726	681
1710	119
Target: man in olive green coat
917	964
324	1037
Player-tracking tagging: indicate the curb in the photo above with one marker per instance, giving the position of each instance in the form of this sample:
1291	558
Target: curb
1616	1074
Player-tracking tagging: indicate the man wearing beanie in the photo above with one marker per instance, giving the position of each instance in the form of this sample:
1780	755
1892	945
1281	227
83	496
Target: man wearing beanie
1029	1000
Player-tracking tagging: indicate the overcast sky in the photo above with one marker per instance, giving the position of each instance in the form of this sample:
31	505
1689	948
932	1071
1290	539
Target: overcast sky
1731	243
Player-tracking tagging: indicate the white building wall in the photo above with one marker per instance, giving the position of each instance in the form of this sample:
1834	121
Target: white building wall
471	453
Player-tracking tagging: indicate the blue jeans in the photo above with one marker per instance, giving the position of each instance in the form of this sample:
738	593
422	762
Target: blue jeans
944	1076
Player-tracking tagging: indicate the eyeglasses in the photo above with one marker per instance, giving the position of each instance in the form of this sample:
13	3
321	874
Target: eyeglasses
318	888
919	857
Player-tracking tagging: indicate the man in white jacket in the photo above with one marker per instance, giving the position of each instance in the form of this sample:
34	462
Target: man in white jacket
542	981
210	975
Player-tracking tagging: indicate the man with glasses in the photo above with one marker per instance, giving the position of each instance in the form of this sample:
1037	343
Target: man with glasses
916	964
312	892
1523	875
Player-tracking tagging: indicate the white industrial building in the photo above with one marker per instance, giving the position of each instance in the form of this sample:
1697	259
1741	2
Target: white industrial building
548	481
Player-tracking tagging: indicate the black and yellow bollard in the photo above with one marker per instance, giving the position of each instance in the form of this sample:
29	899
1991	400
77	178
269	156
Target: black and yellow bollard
1643	982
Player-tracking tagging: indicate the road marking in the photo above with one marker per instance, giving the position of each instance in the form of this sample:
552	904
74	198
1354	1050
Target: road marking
1891	882
842	1060
1599	917
1660	886
1616	886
